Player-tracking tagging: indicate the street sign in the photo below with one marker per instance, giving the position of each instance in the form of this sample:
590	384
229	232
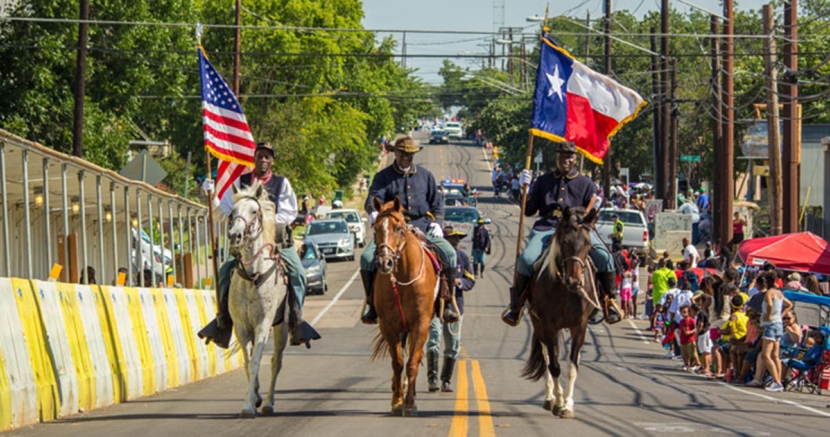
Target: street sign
538	159
624	171
689	158
144	168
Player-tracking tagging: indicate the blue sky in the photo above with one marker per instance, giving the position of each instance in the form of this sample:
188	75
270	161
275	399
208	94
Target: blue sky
477	15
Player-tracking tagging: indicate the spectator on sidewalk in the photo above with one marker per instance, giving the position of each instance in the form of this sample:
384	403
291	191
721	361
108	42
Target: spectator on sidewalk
687	328
690	254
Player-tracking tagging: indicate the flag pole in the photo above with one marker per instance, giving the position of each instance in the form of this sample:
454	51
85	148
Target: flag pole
211	196
522	216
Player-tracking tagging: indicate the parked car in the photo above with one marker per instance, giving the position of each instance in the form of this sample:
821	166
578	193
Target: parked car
439	137
333	237
162	257
454	130
635	231
314	264
356	224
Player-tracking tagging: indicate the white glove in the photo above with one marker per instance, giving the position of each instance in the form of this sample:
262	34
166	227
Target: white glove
207	186
526	177
434	230
372	218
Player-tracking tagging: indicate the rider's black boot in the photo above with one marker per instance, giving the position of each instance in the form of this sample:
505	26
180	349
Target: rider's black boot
220	329
513	313
608	284
446	374
301	331
432	371
450	316
370	317
481	272
475	270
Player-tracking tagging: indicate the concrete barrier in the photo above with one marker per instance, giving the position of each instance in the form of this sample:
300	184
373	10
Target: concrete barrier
67	348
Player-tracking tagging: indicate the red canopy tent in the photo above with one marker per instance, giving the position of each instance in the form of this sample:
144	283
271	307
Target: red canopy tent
800	252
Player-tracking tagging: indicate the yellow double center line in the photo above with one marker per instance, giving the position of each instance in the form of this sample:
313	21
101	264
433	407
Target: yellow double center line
460	424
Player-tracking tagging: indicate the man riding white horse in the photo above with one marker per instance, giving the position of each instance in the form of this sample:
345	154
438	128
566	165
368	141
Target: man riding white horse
282	194
423	208
552	193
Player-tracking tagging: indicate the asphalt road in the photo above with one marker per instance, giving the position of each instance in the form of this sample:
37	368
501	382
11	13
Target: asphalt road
625	387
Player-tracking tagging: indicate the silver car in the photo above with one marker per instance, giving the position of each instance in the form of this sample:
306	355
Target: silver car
333	237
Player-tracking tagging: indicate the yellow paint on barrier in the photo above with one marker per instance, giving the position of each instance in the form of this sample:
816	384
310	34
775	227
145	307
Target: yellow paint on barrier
189	335
203	320
170	355
460	425
485	419
78	346
5	395
148	374
35	334
112	343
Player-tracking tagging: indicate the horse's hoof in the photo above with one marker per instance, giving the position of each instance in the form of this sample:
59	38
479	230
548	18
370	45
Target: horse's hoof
410	411
247	414
267	410
397	411
548	406
258	400
556	410
567	414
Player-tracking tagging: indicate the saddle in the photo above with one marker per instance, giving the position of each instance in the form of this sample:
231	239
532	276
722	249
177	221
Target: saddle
429	249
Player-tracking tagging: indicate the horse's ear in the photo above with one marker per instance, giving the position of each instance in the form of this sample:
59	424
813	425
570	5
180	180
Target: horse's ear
566	215
591	216
259	191
235	190
376	203
397	204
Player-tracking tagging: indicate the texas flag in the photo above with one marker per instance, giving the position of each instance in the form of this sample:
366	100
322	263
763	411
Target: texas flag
574	103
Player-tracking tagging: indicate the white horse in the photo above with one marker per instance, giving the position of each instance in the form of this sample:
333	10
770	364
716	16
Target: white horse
256	291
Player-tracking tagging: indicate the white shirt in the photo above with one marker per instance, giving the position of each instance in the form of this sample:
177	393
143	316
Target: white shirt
286	209
691	209
681	299
691	255
670	291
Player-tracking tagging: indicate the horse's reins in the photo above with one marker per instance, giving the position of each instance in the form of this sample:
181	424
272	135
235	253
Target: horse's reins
259	278
578	260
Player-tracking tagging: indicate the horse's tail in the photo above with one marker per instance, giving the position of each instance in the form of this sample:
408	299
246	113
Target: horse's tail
535	367
380	349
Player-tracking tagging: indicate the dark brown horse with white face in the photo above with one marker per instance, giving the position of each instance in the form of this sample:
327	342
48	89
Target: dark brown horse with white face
562	297
404	293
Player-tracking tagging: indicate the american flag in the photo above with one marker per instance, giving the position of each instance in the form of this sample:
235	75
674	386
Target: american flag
227	135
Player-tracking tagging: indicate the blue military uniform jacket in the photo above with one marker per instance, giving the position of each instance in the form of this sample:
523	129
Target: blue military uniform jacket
465	269
417	190
555	191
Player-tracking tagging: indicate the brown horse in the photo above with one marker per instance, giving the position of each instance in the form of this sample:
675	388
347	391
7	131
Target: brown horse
404	293
562	297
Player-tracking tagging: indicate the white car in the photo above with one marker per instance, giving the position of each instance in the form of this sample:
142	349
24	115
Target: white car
356	224
162	257
453	129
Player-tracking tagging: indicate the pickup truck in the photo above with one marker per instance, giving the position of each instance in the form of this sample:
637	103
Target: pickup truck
635	232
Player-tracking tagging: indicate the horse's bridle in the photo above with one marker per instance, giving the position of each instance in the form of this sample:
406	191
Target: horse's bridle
563	263
249	227
395	253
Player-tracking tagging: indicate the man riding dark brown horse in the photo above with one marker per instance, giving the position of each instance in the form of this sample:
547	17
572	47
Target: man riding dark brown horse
552	193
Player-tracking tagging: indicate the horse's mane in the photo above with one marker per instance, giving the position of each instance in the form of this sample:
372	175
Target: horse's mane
269	209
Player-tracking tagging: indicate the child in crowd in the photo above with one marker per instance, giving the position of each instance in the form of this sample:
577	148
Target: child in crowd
625	294
704	340
635	285
687	329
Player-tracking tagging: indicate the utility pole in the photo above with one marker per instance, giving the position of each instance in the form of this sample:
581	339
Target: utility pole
792	142
770	77
403	52
656	118
587	39
673	158
237	47
606	163
665	107
726	189
714	204
80	82
510	66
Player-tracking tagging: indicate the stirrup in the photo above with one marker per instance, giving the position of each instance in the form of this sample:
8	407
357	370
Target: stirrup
607	312
509	321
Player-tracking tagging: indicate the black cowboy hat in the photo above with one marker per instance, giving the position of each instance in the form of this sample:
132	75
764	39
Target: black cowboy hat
566	147
265	145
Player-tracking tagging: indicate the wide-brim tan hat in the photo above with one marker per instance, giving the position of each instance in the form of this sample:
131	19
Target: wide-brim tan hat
405	144
450	231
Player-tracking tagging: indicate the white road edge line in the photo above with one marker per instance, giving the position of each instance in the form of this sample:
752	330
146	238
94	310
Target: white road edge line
336	298
639	332
769	398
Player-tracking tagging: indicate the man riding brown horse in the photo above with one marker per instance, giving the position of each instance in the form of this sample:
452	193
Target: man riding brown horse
551	195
